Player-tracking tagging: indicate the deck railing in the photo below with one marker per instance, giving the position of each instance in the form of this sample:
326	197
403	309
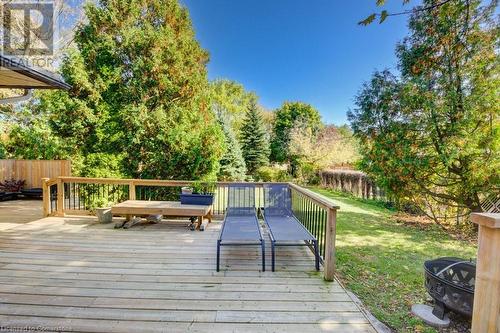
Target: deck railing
74	196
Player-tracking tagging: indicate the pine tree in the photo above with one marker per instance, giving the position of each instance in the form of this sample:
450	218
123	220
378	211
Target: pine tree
232	164
254	141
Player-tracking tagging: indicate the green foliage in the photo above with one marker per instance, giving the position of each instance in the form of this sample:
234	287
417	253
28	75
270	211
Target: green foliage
139	106
384	13
433	135
313	152
30	137
99	202
3	151
232	164
3	146
102	165
253	140
380	258
272	174
3	139
231	98
287	117
368	20
204	187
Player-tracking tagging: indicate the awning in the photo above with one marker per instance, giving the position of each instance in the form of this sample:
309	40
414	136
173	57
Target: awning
15	74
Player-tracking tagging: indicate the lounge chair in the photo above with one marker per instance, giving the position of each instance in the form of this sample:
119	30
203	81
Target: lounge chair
241	226
284	228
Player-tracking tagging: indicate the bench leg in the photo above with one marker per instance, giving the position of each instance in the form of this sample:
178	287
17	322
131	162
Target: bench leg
204	222
316	254
122	223
218	254
130	223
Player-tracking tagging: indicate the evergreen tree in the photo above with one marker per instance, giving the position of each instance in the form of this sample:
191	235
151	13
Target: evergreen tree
254	141
232	164
139	98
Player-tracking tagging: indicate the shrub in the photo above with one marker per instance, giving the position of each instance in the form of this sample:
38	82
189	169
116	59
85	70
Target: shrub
12	185
272	174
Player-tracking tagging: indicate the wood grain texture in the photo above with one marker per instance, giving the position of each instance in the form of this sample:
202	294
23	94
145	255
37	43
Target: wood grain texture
172	208
486	316
32	171
73	274
331	231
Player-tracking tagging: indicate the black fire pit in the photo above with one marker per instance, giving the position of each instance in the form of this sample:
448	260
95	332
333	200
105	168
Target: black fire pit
450	281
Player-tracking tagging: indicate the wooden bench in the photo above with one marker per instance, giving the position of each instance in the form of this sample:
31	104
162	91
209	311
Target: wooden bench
132	208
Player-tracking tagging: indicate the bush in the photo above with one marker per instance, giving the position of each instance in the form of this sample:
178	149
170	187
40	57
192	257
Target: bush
307	173
12	185
272	174
3	151
101	165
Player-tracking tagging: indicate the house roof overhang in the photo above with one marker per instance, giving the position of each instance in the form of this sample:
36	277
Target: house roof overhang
15	74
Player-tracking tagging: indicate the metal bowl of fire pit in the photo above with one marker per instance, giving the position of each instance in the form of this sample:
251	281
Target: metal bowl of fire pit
450	282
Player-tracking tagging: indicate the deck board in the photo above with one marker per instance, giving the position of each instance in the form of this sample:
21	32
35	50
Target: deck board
71	274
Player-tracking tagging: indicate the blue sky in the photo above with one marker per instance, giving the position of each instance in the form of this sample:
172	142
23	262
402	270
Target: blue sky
305	50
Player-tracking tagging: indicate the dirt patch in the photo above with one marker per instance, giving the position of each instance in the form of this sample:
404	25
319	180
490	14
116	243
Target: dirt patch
459	324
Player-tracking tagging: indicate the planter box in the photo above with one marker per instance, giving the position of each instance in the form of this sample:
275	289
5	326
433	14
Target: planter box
104	215
197	199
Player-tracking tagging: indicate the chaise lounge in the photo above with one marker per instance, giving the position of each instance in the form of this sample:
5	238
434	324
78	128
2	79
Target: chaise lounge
284	228
241	226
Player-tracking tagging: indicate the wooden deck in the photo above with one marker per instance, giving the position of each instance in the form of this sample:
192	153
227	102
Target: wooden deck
71	274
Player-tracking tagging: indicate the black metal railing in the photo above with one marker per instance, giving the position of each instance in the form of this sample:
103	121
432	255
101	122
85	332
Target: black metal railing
312	215
221	197
53	199
158	193
83	196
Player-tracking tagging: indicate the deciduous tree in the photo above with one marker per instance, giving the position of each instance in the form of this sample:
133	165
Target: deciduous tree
286	118
433	134
232	98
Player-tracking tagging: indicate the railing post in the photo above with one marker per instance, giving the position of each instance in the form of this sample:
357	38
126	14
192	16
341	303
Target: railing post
131	191
46	197
331	229
486	311
60	197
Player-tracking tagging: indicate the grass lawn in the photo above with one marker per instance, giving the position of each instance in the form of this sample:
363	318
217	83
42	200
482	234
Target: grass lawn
381	260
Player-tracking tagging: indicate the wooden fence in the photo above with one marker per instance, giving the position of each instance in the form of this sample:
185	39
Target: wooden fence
32	171
74	196
354	182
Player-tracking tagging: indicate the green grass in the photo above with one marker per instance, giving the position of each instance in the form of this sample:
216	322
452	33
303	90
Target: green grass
381	260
